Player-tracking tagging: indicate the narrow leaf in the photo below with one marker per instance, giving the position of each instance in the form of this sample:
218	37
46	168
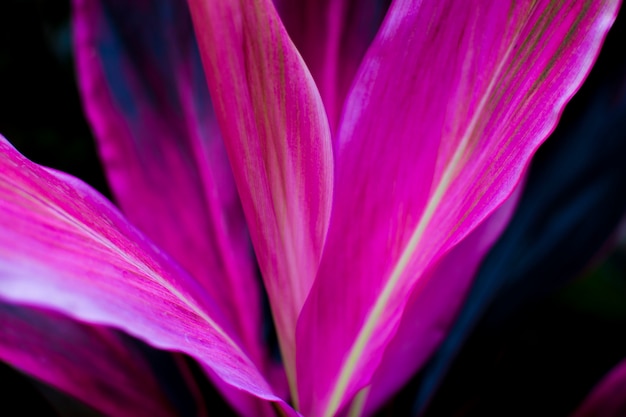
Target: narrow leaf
278	141
144	92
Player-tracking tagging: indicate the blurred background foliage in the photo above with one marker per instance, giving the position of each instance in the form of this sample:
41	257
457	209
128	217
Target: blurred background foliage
540	358
40	111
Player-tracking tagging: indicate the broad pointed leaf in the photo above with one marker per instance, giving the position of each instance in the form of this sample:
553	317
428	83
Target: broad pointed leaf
145	94
88	362
278	141
64	247
569	209
448	107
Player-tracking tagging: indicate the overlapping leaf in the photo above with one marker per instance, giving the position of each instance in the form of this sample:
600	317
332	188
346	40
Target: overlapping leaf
434	299
88	362
64	247
449	105
333	37
278	141
569	209
144	92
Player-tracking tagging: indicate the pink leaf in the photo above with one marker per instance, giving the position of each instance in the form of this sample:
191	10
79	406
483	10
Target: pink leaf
332	37
64	247
278	141
90	363
432	308
144	92
450	103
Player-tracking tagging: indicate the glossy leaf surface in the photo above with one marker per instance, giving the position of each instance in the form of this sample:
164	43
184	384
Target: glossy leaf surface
144	92
66	248
404	351
437	132
278	141
569	209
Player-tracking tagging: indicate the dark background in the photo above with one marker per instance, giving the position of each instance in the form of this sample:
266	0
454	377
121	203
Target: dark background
40	111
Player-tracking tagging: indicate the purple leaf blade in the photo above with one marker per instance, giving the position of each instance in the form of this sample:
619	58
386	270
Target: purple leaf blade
405	353
278	141
144	92
449	105
65	248
87	362
333	55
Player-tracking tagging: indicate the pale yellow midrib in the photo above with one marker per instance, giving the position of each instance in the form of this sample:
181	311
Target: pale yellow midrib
64	216
372	318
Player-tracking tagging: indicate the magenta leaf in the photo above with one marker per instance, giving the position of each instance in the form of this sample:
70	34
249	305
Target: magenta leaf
448	280
568	210
278	141
332	36
366	253
608	398
144	92
64	247
449	105
88	362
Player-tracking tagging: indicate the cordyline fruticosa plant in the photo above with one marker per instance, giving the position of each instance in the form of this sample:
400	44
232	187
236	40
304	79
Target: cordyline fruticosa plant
363	159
